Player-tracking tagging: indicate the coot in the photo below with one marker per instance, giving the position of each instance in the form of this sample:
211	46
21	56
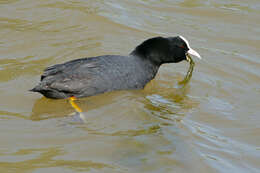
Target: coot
90	76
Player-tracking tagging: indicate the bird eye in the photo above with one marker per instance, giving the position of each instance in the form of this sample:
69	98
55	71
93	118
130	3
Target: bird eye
181	46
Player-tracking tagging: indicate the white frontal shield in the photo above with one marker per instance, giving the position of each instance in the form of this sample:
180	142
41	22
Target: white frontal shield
190	51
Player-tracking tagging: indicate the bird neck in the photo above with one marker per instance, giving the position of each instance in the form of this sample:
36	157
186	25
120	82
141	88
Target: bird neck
153	58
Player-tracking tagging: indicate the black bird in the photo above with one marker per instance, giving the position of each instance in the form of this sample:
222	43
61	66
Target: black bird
90	76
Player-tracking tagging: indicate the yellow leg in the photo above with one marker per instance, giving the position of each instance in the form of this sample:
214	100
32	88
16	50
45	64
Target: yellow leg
74	105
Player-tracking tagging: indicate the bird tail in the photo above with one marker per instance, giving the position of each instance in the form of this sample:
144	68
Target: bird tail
36	89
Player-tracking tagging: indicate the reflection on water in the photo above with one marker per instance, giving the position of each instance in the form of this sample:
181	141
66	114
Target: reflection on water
211	124
46	108
44	158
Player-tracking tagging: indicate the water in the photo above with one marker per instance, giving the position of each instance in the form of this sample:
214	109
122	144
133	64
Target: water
211	125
